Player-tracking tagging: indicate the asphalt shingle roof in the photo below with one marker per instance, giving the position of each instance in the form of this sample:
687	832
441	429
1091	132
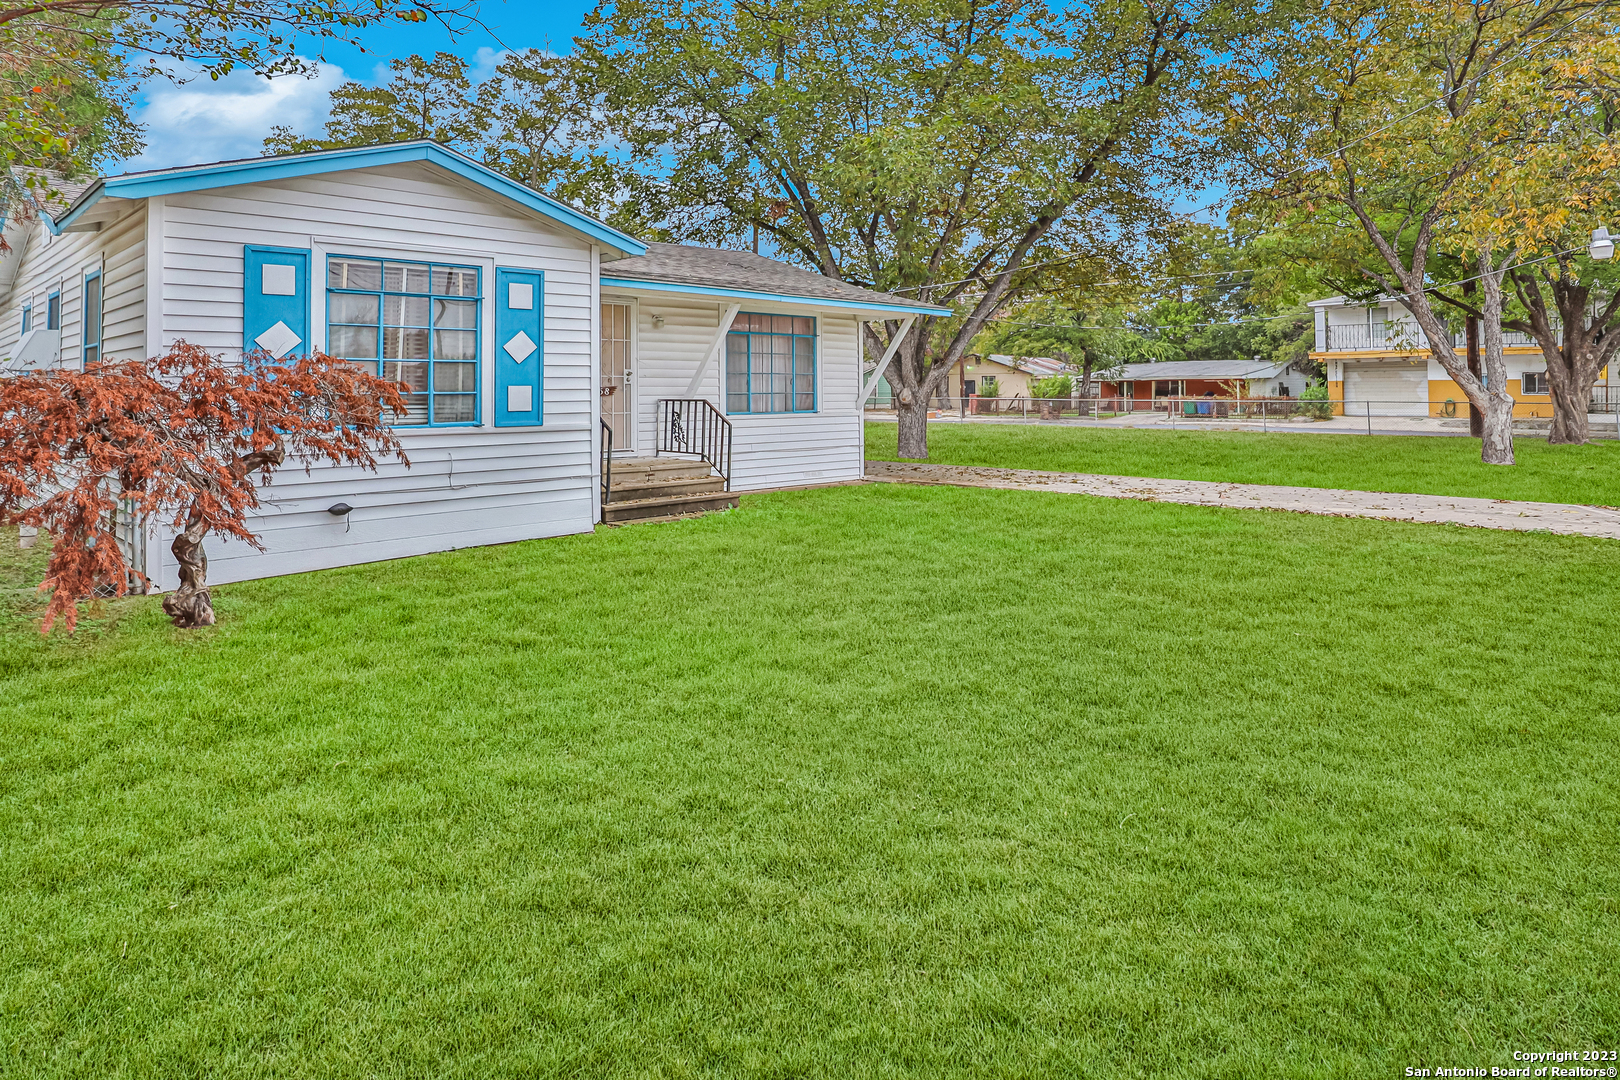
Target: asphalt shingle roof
686	264
1200	369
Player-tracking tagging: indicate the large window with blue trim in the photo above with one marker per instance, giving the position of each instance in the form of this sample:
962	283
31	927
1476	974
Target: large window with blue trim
412	323
771	364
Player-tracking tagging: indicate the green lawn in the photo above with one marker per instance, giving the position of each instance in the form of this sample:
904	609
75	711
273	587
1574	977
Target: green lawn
1426	465
866	781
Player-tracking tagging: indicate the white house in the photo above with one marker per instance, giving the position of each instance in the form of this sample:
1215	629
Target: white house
526	330
1378	362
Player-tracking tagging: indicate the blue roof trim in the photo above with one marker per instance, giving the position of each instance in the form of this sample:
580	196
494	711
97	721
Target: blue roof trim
752	294
227	174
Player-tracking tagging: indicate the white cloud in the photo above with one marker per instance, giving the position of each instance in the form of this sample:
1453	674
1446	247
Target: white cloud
204	120
485	61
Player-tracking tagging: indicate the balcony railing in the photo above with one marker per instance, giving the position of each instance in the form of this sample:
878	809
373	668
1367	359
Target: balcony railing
1407	338
1347	338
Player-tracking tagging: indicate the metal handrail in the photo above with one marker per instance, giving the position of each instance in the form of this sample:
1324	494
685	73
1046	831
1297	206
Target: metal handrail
607	467
694	426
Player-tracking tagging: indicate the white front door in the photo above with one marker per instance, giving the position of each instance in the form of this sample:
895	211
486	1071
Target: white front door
618	375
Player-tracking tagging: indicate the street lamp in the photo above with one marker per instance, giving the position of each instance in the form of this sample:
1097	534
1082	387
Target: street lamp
1602	246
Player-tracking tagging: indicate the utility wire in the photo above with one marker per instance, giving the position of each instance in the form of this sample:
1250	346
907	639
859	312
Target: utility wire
1269	318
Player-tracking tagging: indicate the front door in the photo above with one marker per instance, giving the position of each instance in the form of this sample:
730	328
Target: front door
618	375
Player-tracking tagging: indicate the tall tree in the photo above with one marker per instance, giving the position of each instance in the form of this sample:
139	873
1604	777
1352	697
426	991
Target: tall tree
958	151
422	99
1553	184
536	119
1091	341
1378	118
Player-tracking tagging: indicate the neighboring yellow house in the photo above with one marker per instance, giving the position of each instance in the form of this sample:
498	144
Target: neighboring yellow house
1377	361
1014	375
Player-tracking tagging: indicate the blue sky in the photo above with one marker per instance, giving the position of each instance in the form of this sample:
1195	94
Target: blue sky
211	121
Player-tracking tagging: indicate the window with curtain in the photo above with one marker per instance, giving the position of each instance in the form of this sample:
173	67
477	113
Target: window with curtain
771	364
92	318
412	323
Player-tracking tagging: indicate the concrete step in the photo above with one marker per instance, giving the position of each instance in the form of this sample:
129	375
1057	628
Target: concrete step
653	489
667	506
653	470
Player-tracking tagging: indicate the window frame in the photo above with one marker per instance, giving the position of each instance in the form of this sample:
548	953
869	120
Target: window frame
28	315
85	344
53	310
478	300
748	394
1541	377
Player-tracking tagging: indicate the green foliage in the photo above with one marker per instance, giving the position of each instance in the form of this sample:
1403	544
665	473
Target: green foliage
989	386
268	37
1317	395
1053	386
602	806
64	112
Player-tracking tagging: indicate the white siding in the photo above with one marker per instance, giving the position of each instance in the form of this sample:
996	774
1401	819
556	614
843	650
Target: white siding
767	451
466	486
49	263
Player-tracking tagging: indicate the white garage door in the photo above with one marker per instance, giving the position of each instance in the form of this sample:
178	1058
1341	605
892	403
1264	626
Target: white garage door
1386	389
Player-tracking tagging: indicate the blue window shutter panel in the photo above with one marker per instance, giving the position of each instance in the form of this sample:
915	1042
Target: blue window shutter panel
275	290
520	324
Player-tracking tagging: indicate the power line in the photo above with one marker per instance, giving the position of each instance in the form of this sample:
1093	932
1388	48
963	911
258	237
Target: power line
1072	258
1268	318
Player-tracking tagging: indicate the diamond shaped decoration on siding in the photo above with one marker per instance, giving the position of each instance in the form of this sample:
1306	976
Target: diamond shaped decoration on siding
278	341
521	347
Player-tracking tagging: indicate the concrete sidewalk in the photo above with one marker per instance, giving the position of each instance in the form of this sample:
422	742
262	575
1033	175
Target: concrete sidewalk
1599	521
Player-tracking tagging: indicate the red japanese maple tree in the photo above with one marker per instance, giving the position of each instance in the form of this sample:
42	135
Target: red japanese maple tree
179	436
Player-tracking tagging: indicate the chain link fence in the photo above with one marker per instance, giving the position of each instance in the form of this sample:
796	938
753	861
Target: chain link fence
1603	413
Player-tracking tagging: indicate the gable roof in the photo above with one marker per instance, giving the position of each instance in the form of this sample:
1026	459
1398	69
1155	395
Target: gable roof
141	185
1039	366
745	276
1198	369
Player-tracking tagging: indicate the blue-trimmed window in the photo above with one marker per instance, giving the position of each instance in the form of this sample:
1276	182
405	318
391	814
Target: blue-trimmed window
28	317
771	364
92	317
413	323
53	311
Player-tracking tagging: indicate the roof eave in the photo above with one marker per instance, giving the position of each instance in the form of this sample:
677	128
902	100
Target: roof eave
767	295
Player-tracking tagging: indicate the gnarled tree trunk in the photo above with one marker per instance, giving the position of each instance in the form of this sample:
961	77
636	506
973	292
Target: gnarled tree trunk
1570	404
190	606
1577	351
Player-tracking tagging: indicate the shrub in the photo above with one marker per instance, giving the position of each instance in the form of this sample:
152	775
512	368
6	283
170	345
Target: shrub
1314	401
988	387
1053	386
